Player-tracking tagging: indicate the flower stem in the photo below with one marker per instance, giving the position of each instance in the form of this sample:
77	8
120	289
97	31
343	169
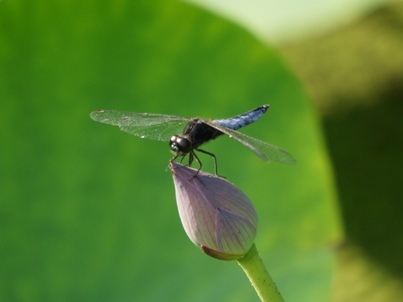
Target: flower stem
254	268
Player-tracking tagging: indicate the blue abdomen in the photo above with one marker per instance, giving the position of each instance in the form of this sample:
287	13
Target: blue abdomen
242	120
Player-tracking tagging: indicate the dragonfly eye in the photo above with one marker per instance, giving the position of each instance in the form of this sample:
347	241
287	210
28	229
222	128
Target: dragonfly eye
180	145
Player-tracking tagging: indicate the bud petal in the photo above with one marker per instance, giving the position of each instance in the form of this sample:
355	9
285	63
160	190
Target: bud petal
216	215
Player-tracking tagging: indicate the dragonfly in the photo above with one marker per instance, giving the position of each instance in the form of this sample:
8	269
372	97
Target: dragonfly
194	132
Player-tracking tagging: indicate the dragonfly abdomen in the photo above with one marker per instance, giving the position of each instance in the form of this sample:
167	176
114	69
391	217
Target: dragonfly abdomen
242	120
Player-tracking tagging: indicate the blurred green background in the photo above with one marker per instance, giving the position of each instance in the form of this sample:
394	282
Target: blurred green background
87	213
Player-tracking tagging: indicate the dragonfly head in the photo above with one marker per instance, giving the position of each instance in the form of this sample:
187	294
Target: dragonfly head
180	145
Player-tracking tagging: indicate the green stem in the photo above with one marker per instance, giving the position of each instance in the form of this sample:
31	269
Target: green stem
254	268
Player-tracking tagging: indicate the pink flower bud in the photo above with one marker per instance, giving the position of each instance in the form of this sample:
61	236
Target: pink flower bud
216	215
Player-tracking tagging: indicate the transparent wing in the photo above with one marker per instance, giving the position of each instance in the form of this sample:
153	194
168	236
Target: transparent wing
152	126
262	149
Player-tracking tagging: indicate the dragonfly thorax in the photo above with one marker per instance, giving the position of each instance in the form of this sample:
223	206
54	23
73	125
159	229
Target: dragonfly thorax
180	146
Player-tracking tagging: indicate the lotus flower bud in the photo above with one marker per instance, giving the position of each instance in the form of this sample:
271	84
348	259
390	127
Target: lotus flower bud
216	215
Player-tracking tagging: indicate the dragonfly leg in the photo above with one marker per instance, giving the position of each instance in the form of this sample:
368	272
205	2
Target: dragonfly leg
192	156
182	158
213	156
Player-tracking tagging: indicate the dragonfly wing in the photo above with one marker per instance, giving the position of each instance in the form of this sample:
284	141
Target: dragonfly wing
262	149
152	126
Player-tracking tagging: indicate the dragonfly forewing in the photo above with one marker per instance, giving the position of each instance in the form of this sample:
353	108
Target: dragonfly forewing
158	127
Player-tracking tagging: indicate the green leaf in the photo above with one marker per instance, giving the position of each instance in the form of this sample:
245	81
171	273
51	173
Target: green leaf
88	213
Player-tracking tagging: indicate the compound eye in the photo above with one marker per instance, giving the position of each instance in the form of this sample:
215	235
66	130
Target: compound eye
180	145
